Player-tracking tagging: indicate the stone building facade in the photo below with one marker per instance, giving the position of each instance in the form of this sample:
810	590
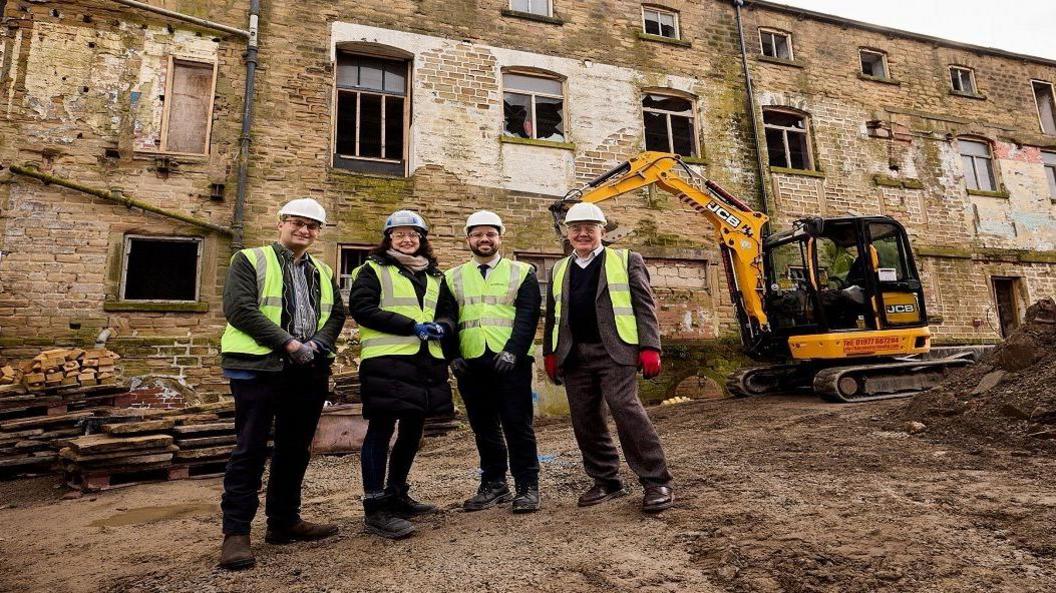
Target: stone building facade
449	107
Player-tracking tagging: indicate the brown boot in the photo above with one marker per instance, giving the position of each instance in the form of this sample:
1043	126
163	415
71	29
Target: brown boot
302	531
236	554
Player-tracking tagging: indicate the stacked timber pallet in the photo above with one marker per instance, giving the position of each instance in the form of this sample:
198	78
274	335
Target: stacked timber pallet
64	367
27	445
102	461
205	436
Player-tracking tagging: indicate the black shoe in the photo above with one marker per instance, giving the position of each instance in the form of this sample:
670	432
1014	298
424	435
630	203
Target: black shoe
527	499
381	522
488	495
402	505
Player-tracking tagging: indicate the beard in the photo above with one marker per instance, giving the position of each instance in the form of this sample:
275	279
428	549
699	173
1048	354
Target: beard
484	250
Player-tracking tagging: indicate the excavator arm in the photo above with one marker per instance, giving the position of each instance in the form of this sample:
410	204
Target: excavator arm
738	228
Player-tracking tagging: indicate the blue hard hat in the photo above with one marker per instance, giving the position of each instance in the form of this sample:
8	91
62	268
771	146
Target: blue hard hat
405	218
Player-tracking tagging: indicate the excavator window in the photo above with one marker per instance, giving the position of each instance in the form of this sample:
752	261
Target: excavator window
843	277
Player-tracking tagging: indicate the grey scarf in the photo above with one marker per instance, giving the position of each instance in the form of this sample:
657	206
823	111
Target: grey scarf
414	263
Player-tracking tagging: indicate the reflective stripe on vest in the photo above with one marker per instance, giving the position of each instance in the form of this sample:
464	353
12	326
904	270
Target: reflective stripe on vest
619	286
398	296
485	307
269	299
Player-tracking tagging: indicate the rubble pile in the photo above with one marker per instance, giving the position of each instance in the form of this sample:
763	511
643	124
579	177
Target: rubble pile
61	367
1006	399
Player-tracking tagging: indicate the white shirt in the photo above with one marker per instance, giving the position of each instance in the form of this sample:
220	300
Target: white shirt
490	263
583	262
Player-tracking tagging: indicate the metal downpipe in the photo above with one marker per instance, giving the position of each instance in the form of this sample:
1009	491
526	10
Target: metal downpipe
752	109
237	223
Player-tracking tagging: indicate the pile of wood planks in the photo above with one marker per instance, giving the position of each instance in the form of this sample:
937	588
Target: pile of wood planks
93	462
28	444
64	367
206	437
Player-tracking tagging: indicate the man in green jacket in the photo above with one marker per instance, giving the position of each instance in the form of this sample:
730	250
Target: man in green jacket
284	314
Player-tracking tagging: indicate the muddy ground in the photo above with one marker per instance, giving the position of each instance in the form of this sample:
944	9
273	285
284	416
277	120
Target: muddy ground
784	494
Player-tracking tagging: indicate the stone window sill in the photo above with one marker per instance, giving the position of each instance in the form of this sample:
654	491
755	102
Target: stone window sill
988	194
803	172
891	81
908	183
536	142
976	96
528	16
182	157
781	61
694	160
662	39
157	306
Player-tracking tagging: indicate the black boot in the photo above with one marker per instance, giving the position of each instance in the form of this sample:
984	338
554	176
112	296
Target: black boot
379	520
488	495
527	499
402	505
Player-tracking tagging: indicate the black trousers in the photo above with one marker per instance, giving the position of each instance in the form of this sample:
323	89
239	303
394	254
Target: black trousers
375	453
293	399
499	407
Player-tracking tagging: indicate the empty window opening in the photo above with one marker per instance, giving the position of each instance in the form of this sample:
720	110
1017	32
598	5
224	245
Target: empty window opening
350	257
962	80
371	113
533	107
1046	101
188	107
978	164
874	63
544	263
776	44
161	268
1006	291
669	124
540	7
1049	160
657	21
787	140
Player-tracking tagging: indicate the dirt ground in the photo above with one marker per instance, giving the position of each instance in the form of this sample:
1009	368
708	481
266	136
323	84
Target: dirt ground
782	494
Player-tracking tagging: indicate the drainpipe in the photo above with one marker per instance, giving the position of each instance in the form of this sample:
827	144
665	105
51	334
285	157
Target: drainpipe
237	224
184	17
760	164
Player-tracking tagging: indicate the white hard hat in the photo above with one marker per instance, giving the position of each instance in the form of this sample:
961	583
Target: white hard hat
405	218
585	212
305	208
484	218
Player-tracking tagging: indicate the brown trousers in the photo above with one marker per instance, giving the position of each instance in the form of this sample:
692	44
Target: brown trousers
592	379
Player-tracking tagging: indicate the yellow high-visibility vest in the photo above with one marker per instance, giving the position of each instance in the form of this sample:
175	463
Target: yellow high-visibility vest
269	299
619	283
485	307
398	296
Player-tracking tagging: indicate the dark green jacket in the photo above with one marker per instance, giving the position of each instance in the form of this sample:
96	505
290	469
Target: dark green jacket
243	312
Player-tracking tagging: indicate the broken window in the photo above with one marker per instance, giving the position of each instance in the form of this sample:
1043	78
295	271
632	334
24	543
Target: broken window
874	63
978	164
533	107
776	44
1049	160
371	113
962	80
787	141
669	124
161	268
349	257
663	23
1043	96
188	107
540	7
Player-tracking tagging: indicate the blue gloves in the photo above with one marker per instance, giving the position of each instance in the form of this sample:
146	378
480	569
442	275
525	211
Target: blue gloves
429	331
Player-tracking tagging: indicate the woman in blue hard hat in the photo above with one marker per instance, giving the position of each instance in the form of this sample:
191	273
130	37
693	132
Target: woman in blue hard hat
404	312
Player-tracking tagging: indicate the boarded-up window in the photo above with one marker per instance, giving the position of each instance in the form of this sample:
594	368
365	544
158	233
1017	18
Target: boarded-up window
1043	95
161	268
189	104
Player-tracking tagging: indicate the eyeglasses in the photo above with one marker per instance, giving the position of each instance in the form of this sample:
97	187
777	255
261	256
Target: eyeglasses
300	224
483	234
400	235
589	229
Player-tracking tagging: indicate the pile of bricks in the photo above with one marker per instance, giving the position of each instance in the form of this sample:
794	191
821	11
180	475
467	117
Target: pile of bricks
61	368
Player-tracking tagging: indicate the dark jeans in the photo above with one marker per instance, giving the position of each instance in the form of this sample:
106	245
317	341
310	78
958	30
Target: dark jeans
499	406
293	399
375	453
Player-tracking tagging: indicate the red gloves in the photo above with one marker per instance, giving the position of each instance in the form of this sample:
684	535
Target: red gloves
550	361
649	362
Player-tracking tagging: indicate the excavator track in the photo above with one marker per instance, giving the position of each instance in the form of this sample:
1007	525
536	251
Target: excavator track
769	380
888	380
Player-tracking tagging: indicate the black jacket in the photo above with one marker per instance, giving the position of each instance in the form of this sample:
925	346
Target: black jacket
528	305
243	312
401	385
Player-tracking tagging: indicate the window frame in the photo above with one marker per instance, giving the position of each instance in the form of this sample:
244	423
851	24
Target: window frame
992	169
170	75
971	80
534	73
1050	171
126	250
668	114
406	125
341	249
1037	104
786	34
549	8
806	131
883	62
661	10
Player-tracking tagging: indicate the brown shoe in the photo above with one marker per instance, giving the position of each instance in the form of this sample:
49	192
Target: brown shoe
302	531
599	493
657	498
236	554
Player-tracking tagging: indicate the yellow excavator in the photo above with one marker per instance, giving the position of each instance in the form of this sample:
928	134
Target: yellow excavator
834	305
